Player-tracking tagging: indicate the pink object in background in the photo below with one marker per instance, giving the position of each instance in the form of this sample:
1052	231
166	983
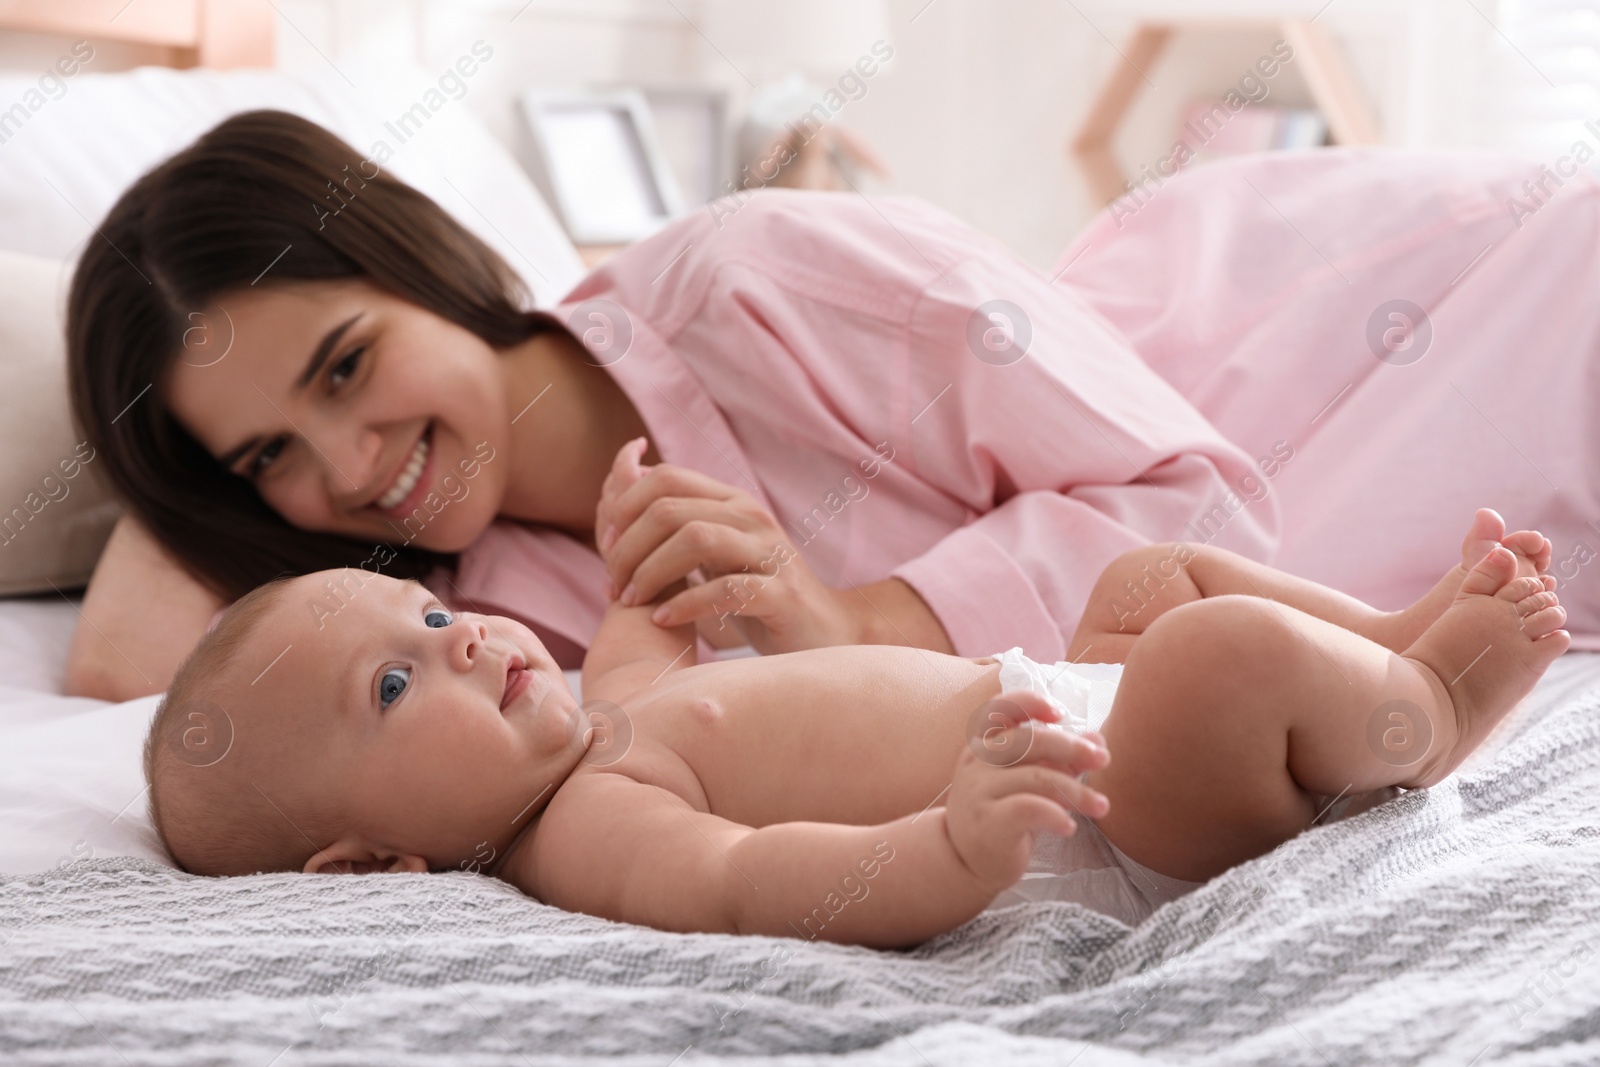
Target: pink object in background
1423	330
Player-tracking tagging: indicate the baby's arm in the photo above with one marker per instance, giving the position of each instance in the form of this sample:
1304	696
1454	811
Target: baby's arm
630	652
615	847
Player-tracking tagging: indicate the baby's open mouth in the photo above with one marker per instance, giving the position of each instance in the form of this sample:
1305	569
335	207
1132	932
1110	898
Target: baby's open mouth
518	679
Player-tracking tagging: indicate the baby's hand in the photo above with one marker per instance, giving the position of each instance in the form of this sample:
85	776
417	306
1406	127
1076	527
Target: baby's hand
1017	778
625	471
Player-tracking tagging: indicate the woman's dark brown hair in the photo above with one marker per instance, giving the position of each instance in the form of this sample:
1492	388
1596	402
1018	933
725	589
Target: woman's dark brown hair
259	190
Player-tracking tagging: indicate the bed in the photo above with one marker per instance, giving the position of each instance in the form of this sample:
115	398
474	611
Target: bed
1453	925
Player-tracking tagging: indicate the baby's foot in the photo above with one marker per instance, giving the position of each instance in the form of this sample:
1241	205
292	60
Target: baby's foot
1531	548
1484	654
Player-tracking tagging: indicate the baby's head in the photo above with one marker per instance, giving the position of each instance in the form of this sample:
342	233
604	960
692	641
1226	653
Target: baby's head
345	721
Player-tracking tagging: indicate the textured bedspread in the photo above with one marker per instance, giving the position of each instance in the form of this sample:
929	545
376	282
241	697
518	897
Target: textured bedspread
1455	925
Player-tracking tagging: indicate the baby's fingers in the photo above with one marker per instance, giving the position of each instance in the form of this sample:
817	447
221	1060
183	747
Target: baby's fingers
1018	726
1073	753
1000	732
1036	814
1055	786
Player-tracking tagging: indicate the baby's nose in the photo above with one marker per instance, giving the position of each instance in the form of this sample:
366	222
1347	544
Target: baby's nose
476	638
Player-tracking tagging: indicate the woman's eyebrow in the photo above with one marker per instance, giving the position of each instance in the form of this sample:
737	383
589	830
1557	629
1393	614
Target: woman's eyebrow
233	455
319	357
324	350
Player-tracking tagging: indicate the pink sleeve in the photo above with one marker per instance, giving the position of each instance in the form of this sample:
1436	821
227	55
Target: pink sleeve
1066	458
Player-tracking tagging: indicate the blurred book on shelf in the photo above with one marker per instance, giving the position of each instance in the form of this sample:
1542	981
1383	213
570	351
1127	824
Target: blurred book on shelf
1211	131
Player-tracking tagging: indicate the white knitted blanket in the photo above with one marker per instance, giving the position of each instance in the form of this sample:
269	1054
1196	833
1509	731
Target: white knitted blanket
1454	925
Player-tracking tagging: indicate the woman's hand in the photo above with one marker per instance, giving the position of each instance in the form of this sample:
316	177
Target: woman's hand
142	615
656	525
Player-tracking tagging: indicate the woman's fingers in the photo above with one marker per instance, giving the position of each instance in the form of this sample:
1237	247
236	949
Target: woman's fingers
733	594
656	527
664	480
625	469
712	546
624	472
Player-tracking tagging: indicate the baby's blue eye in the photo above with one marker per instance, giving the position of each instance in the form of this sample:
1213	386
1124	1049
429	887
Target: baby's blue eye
437	617
392	684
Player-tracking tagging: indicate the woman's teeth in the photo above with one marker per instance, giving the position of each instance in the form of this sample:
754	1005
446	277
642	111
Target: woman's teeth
407	478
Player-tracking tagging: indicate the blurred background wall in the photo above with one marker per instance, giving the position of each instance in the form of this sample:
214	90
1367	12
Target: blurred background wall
976	108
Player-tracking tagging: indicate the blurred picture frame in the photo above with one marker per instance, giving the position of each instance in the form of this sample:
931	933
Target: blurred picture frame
596	157
692	127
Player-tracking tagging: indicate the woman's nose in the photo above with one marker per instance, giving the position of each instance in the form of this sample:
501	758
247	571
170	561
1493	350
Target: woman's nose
354	459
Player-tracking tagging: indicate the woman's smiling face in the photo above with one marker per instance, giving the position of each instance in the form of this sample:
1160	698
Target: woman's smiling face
351	410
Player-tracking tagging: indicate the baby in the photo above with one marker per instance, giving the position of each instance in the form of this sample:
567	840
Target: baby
346	722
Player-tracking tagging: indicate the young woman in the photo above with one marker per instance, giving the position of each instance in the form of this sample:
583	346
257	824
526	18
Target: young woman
867	423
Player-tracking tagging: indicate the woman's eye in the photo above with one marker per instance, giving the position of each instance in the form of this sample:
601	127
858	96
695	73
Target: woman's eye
264	458
437	617
392	684
345	369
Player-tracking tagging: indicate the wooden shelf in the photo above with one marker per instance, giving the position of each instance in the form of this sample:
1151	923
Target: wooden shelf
191	33
1317	56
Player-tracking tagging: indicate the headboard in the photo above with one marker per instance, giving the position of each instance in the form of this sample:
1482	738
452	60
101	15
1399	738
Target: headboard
188	33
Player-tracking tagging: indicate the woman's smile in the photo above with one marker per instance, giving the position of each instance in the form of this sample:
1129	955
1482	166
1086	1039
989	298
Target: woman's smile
410	483
374	440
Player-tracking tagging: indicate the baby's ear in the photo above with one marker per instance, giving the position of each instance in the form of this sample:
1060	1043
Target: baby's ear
351	856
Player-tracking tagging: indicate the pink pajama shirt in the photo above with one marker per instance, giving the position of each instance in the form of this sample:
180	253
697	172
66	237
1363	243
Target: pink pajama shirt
846	363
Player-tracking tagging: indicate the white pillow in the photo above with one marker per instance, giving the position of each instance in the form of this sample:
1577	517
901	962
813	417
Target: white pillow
73	786
67	163
55	511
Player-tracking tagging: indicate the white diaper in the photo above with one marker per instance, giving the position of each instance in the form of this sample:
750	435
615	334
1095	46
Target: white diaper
1085	868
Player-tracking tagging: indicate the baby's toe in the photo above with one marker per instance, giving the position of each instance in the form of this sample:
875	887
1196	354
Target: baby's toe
1486	531
1492	573
1532	551
1544	621
1536	603
1520	589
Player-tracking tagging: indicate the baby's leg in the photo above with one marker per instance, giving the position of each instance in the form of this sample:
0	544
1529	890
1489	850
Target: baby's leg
1141	585
1144	584
1235	714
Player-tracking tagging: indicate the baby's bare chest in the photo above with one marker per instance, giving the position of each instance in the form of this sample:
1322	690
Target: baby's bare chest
837	735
